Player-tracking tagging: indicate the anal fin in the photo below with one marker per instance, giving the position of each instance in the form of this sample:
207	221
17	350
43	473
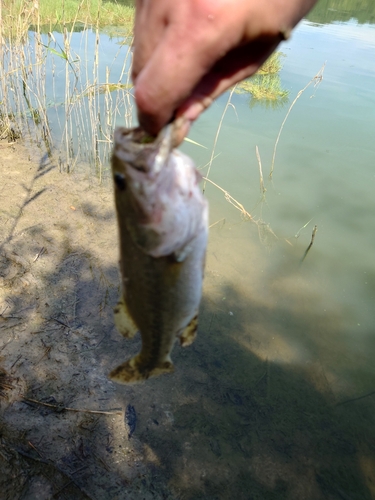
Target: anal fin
124	324
188	335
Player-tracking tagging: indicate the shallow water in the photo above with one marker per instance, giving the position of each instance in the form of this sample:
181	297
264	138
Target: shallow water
275	399
324	162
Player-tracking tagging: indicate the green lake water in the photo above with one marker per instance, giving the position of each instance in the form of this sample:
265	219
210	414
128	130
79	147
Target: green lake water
324	175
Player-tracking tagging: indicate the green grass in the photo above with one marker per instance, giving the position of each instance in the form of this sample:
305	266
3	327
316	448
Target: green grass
89	11
265	86
18	15
272	65
86	113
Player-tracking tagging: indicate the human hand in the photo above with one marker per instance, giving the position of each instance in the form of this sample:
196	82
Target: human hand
188	52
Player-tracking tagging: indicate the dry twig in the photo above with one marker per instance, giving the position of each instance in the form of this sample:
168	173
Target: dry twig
232	200
115	411
261	181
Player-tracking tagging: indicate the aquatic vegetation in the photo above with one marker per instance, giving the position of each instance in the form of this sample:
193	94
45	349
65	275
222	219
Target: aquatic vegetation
272	65
266	235
108	87
265	86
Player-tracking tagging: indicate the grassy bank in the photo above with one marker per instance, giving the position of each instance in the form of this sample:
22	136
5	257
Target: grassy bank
18	15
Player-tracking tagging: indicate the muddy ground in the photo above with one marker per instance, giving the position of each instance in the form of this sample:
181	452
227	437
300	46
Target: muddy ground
228	423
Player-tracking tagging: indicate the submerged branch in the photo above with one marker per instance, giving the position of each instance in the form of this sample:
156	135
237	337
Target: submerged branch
351	400
232	200
311	243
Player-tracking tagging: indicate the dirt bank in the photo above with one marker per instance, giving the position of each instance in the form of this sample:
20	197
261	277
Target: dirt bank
229	423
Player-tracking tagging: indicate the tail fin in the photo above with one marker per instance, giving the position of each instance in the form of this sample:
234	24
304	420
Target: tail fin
132	371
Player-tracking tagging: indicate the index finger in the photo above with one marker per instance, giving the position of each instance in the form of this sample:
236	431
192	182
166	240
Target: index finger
167	70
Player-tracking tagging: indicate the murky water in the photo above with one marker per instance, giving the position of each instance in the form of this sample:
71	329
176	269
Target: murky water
323	173
276	398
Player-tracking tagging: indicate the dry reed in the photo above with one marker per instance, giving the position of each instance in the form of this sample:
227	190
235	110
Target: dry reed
45	79
228	103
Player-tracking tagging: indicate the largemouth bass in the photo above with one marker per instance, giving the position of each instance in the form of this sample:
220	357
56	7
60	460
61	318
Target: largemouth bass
163	227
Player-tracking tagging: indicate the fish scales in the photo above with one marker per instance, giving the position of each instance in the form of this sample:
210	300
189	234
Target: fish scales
163	226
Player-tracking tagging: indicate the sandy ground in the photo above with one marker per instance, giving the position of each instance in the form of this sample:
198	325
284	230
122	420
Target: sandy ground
229	423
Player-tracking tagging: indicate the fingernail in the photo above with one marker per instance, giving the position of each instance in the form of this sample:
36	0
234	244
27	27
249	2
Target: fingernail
192	111
180	130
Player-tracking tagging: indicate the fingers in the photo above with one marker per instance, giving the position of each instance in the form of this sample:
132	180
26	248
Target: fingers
187	52
222	77
238	64
170	92
163	85
176	44
174	65
149	26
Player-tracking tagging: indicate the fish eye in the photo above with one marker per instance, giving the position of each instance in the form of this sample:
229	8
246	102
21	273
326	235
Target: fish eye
120	181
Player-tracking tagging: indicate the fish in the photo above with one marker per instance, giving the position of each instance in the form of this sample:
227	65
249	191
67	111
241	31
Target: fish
162	220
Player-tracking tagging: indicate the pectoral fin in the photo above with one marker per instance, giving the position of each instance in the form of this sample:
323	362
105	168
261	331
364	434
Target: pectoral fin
187	337
124	324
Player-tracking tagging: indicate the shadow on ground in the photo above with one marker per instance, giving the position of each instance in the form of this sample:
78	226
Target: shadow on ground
229	423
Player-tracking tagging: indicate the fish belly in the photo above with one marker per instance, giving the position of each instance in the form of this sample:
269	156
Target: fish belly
161	299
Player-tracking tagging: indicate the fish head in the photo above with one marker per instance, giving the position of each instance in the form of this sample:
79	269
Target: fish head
156	186
138	169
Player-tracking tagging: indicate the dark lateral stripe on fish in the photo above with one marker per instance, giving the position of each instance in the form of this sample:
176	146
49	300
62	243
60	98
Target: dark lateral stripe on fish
120	181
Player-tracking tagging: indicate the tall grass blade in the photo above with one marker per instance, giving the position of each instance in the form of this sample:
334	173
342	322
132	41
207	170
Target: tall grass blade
217	136
317	79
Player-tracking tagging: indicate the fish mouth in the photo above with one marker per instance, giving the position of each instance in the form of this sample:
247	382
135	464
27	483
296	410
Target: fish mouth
138	151
172	131
140	136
